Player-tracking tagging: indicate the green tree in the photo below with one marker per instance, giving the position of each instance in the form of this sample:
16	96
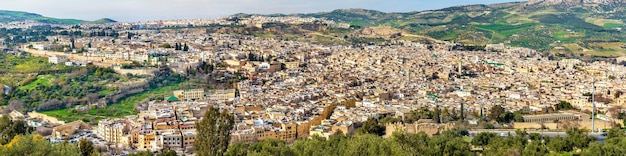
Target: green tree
142	153
564	105
518	117
535	136
614	133
506	117
85	146
213	132
166	45
369	144
535	148
271	147
237	149
483	138
437	115
10	128
558	144
495	112
578	138
412	143
371	126
185	47
35	145
449	142
168	153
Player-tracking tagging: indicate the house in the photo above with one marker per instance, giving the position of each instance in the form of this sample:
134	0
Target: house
56	59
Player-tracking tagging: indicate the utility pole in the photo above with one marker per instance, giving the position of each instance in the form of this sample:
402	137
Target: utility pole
593	104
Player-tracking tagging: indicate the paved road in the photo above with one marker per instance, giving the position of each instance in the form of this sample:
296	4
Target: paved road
598	136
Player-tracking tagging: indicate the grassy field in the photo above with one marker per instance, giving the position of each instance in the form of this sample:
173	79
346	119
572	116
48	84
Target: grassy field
42	80
29	64
125	107
608	49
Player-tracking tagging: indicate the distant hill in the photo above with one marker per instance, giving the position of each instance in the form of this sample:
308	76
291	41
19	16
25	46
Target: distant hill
567	27
103	21
10	16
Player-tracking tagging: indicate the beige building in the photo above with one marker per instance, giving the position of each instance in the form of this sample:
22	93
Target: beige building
67	130
286	133
292	65
146	140
550	117
171	140
113	131
193	94
222	95
188	138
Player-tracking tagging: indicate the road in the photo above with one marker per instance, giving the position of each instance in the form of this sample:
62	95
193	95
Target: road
598	136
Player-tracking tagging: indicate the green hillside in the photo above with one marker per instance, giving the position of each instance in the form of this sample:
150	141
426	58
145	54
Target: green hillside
11	16
578	29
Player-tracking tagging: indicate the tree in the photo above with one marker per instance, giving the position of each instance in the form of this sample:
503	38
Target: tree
371	126
36	145
564	105
615	133
86	147
437	115
168	153
506	117
495	112
185	47
237	149
483	138
535	148
142	153
518	117
10	128
166	45
462	111
578	138
535	136
213	134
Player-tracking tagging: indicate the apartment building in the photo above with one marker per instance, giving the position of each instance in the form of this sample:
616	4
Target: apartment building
115	131
187	95
286	132
222	95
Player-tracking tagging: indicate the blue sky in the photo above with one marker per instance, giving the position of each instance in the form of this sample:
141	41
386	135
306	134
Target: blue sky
142	10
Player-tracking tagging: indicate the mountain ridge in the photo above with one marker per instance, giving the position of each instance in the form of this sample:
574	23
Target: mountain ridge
593	28
575	2
11	16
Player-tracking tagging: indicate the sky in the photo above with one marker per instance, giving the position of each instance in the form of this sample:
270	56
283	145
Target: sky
144	10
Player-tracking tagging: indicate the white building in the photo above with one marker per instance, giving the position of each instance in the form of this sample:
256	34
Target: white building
57	59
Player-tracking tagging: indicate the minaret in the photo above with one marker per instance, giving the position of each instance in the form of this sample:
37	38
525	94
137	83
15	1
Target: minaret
203	57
